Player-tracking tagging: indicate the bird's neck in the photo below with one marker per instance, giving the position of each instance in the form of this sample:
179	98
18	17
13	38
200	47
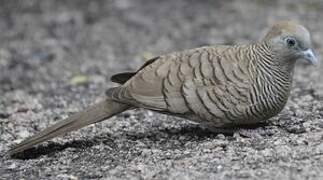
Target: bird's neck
271	63
272	80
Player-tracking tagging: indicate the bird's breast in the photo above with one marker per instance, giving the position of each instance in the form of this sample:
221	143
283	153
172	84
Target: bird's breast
270	98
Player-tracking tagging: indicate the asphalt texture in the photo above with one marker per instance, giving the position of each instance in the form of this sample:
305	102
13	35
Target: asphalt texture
56	58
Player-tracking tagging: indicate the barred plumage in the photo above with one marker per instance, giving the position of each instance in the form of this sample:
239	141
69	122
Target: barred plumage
222	85
218	86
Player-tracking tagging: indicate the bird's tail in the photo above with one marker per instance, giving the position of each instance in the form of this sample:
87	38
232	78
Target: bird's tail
95	113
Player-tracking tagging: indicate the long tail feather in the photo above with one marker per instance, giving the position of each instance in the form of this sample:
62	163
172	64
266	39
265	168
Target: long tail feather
90	115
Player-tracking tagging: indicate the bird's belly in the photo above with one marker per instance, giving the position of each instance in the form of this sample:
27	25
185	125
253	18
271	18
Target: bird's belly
239	115
264	110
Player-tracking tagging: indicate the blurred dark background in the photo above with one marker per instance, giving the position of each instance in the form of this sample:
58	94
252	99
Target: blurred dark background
51	41
56	57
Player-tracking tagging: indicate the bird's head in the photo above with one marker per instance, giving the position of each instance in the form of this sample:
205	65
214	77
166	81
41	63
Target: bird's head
291	41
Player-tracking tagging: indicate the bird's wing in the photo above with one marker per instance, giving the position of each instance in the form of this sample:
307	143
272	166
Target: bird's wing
122	78
178	82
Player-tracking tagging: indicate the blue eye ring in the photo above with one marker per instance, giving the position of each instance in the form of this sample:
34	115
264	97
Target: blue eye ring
291	42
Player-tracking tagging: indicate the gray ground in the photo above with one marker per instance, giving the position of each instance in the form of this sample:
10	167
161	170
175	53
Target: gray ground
56	57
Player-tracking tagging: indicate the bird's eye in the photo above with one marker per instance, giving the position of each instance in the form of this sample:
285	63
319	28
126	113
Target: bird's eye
290	42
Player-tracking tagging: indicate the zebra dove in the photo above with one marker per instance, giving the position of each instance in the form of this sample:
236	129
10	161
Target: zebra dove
218	86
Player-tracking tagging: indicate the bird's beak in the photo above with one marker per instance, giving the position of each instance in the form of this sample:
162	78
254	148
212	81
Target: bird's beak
310	56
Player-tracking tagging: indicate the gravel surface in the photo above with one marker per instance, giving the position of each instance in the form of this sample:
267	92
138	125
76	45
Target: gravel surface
56	58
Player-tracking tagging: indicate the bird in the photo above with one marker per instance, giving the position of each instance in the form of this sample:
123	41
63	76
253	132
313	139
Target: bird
217	86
